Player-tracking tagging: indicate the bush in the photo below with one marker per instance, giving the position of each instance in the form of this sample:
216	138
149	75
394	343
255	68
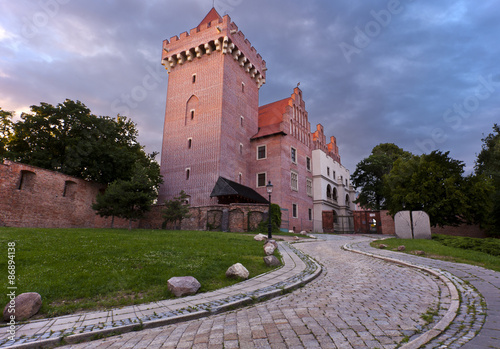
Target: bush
275	221
489	246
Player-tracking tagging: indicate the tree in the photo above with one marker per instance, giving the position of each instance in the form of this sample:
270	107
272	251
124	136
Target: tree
5	130
176	209
70	139
130	199
369	174
434	183
488	165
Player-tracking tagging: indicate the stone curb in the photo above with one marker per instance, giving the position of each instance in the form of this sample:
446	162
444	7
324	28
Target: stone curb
447	319
312	270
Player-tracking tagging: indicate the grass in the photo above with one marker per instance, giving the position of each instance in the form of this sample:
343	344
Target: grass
473	251
88	269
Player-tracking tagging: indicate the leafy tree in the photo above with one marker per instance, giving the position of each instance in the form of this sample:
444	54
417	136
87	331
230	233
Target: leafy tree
130	199
176	210
5	129
369	174
263	226
434	183
70	139
488	165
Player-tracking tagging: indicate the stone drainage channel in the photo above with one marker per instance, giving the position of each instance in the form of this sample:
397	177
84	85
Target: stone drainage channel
460	317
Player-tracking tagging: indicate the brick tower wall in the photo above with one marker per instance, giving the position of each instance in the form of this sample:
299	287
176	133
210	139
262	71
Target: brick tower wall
223	61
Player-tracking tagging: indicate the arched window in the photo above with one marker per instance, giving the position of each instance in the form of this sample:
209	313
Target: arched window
347	200
192	108
328	191
334	194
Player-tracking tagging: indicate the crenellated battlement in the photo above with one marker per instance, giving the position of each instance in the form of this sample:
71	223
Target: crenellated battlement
219	35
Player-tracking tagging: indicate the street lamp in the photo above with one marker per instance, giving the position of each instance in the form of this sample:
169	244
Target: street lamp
269	188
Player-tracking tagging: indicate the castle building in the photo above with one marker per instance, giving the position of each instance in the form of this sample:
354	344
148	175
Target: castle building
219	146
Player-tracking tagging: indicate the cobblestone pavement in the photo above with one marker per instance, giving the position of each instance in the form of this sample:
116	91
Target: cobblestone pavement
477	324
357	302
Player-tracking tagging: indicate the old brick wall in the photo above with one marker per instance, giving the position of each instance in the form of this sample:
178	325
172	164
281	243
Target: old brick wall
242	217
35	197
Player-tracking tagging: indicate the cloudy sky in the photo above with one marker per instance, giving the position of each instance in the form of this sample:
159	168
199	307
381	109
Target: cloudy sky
422	74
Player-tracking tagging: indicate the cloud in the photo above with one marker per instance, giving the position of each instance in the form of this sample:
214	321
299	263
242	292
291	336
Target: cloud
416	64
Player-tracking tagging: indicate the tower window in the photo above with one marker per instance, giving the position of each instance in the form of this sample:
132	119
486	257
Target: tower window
261	152
261	179
194	78
192	114
243	87
188	173
328	171
239	177
241	121
190	143
241	149
294	181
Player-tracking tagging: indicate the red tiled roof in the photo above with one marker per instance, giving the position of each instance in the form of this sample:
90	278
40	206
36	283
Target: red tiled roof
272	113
211	16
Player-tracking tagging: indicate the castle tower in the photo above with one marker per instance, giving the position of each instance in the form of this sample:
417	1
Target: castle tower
212	108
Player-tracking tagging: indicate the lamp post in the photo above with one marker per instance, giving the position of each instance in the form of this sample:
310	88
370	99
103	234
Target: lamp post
269	188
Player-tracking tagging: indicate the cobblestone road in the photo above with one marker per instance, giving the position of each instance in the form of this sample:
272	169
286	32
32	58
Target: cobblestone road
358	302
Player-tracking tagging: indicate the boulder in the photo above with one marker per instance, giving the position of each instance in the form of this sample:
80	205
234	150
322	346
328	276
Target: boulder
312	236
26	305
303	232
237	271
291	232
183	285
382	246
269	248
272	261
419	253
271	241
260	237
296	238
401	248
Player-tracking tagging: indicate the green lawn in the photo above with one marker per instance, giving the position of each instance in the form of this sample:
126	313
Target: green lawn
83	269
482	252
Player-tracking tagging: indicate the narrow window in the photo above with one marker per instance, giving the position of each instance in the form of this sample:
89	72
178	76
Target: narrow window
308	163
294	210
190	143
310	214
239	177
334	174
241	149
328	171
261	179
241	121
261	152
243	87
194	78
192	114
188	173
294	181
293	154
334	194
309	187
